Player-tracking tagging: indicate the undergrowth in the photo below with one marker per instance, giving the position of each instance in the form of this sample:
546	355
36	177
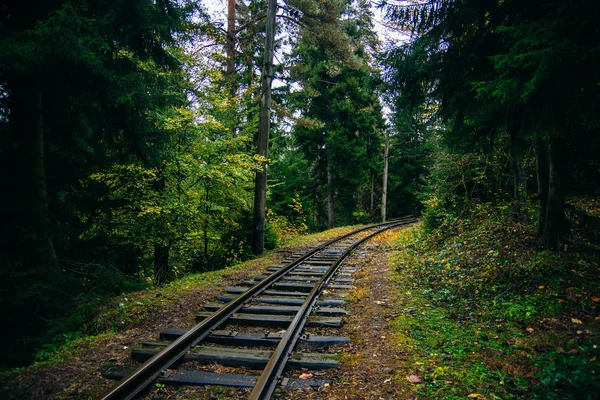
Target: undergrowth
489	315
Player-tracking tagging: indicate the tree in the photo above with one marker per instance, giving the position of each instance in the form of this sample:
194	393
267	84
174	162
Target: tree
262	138
548	71
340	120
492	67
310	15
181	207
79	81
386	153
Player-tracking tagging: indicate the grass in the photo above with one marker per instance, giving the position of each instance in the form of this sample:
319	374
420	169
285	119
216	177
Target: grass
488	315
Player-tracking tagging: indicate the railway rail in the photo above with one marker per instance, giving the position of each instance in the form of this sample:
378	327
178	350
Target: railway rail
289	296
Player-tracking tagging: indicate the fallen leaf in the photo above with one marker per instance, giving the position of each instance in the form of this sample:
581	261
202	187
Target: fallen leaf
305	376
530	330
573	351
415	379
387	380
474	395
576	321
595	299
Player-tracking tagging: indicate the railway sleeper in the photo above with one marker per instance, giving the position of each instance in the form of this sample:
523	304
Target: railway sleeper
242	289
292	278
203	378
296	273
285	300
267	339
318	263
298	287
305	278
309	273
254	359
279	321
315	270
279	310
303	268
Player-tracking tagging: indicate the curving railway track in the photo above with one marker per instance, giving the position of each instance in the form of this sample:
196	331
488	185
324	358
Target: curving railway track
305	291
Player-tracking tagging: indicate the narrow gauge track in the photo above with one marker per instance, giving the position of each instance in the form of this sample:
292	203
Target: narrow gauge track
286	296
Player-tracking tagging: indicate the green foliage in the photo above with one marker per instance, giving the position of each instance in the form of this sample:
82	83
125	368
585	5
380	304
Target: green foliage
281	229
567	376
185	203
339	123
477	72
271	237
49	352
486	313
458	180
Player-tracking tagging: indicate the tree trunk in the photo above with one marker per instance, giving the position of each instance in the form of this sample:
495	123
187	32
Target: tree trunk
555	227
330	195
372	205
206	214
162	272
516	160
231	37
386	152
262	138
27	129
230	73
543	182
318	218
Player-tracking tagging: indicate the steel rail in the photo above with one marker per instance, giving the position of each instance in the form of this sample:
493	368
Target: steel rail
143	376
271	375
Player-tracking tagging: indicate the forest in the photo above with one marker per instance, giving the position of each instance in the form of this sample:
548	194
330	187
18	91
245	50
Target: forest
136	135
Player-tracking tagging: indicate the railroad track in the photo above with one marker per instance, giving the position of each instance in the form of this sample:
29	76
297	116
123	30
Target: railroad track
305	291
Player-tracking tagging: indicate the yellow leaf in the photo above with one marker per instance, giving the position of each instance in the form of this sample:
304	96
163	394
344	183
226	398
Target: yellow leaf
595	299
576	321
474	395
305	376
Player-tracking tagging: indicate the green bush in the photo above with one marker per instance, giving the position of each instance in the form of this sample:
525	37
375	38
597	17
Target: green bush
565	376
271	237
